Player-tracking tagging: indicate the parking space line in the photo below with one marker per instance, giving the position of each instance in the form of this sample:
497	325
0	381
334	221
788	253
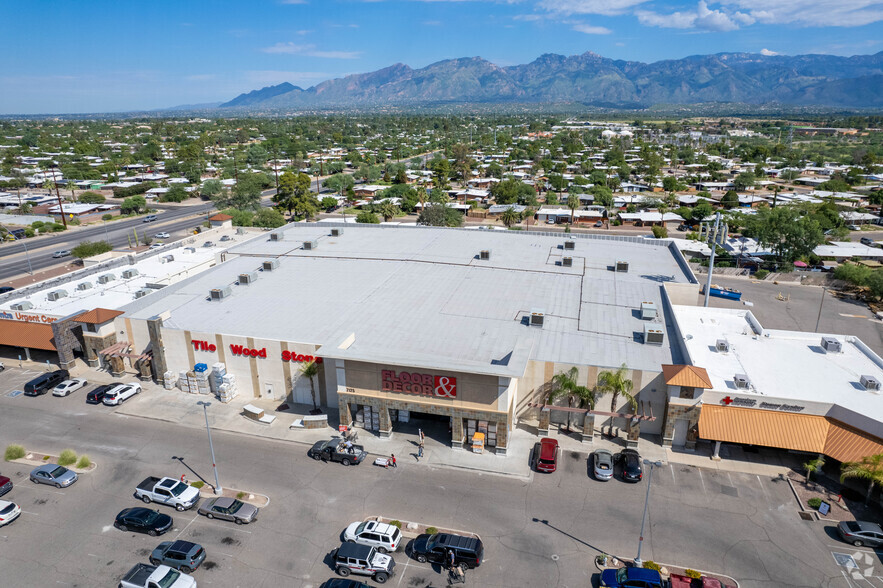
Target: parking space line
674	481
846	577
701	479
847	546
762	488
185	527
36	514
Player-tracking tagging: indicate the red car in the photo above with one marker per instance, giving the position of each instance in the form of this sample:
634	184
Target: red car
547	455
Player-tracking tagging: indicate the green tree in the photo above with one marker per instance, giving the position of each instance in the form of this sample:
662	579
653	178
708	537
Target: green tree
133	205
269	218
565	384
339	183
789	234
701	211
439	215
868	468
659	232
744	181
245	195
618	385
328	203
510	217
91	198
388	210
730	199
310	370
813	465
91	248
367	217
294	192
176	193
211	188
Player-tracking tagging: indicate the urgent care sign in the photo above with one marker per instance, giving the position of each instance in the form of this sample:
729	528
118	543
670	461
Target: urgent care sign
417	383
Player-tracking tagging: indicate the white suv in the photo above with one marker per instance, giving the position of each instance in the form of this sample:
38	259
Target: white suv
381	536
122	392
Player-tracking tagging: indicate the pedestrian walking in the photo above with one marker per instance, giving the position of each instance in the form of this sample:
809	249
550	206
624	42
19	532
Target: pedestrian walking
392	460
420	450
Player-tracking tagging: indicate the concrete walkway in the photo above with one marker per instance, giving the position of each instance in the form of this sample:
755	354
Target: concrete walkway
179	407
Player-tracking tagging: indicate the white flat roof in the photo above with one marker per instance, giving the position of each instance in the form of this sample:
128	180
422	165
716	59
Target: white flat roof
420	296
781	364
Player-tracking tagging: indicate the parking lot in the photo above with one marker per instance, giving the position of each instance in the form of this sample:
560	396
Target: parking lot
541	532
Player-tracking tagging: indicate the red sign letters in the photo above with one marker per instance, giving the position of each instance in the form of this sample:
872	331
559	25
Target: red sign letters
292	356
415	383
203	346
240	350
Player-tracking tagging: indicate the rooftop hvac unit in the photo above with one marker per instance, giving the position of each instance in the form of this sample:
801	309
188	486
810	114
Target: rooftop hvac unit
275	236
336	232
537	318
56	294
870	383
84	286
166	258
742	381
142	292
219	293
190	250
22	306
106	278
310	245
484	254
240	230
653	336
271	264
567	262
248	278
622	266
129	273
831	344
722	346
570	245
648	310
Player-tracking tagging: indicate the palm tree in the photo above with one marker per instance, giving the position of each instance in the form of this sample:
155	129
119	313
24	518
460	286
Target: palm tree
868	468
572	204
813	465
564	384
510	217
616	383
310	370
388	210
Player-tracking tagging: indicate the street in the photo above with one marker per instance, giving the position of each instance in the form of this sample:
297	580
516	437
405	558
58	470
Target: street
541	532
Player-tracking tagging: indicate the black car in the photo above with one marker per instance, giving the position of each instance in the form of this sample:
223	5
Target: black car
435	548
5	289
630	465
42	384
344	583
143	520
96	395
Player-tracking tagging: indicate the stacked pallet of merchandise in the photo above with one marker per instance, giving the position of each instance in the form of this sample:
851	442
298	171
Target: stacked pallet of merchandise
227	390
182	382
192	384
404	416
169	380
201	372
219	370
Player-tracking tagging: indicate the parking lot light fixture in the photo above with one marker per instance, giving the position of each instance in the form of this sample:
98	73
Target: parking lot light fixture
638	561
205	405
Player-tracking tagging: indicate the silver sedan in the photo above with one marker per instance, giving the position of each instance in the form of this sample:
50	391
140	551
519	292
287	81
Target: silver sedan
229	509
54	475
602	461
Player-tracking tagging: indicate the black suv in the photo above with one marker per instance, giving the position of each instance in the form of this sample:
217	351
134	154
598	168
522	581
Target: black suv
42	384
96	396
352	558
434	548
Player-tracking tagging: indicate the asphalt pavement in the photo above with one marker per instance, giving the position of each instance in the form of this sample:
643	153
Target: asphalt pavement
544	531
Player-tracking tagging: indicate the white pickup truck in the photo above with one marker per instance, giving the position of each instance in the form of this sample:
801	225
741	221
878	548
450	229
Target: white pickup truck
146	576
167	491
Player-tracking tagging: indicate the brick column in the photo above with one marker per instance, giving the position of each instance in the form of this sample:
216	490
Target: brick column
117	366
633	433
588	428
457	432
502	437
545	421
343	406
154	325
385	421
65	341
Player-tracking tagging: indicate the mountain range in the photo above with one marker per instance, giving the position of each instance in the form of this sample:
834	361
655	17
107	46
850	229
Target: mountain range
593	80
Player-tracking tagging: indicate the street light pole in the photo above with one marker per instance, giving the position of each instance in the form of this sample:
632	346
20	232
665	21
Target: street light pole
205	405
638	560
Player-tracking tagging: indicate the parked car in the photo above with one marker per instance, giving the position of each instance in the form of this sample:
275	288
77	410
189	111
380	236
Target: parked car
41	384
381	536
145	576
5	289
229	509
434	548
96	395
181	555
682	228
54	475
120	393
5	485
861	533
602	464
143	520
344	583
61	253
68	386
149	218
630	464
352	558
162	235
853	227
9	511
168	491
868	242
631	578
335	449
546	453
599	224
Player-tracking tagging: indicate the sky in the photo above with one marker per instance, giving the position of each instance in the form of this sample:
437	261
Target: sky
75	56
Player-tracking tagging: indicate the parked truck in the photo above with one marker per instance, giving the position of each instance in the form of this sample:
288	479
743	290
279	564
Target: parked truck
167	491
337	449
147	576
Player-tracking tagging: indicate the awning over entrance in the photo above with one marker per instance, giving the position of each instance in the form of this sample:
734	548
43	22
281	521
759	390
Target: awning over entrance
30	335
785	430
686	375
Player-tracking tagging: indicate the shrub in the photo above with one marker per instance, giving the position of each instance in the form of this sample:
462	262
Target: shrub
107	217
396	524
91	198
240	495
57	227
90	248
692	574
814	503
651	565
198	484
431	530
14	452
761	274
45	458
67	457
75	222
29	232
84	462
659	232
37	225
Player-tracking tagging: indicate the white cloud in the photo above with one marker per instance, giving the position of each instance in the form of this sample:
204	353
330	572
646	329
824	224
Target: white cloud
768	53
603	7
528	17
309	50
813	13
701	18
591	30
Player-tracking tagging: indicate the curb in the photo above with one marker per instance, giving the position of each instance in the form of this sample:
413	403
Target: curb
38	462
205	494
406	533
815	513
670	566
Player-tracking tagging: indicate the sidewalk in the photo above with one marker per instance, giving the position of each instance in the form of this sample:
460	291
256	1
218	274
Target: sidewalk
178	407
